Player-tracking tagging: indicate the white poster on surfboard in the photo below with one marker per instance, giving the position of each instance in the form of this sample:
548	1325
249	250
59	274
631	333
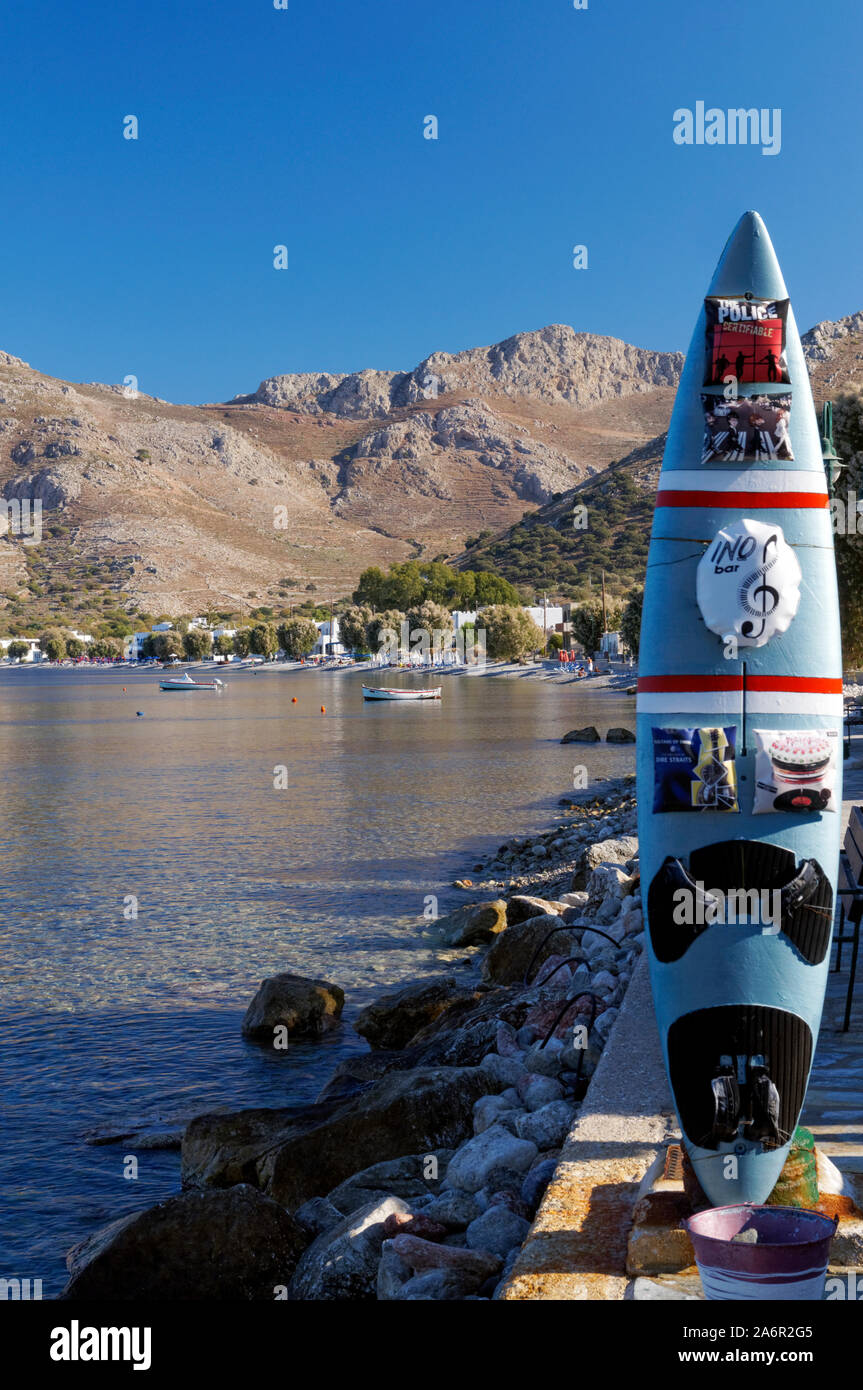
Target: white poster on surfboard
795	770
748	582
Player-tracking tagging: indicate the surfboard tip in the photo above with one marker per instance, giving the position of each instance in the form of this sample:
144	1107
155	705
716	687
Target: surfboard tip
748	263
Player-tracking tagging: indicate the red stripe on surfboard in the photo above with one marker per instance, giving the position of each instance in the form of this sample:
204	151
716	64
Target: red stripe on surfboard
817	685
667	497
790	685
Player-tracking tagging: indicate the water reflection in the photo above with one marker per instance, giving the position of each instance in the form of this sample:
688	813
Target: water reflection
152	876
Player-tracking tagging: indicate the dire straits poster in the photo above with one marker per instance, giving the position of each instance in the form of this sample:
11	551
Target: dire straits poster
746	340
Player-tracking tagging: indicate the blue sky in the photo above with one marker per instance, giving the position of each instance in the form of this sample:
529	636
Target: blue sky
304	127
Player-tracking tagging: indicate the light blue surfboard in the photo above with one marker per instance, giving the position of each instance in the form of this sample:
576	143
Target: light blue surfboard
738	902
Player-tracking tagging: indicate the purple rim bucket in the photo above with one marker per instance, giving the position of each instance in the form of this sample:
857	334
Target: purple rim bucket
788	1262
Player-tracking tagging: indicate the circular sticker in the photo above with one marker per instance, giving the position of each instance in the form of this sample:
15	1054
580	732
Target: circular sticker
748	582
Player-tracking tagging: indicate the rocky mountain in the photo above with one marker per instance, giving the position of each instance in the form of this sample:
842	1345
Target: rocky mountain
834	354
601	524
289	492
555	364
545	549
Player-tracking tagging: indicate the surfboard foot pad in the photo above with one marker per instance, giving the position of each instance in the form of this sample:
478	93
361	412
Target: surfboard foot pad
753	879
761	1054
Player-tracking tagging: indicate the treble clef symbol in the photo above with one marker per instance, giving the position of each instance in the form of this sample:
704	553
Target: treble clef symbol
765	596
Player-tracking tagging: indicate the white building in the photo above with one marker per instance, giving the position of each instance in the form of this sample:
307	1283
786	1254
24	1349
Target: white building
328	643
548	617
34	653
133	645
461	619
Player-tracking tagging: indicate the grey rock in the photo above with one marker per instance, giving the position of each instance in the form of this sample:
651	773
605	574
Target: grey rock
295	1156
392	1274
535	1182
495	1148
497	1231
603	982
545	1061
392	1020
234	1245
487	1110
453	1209
398	1177
305	1007
610	851
343	1262
473	924
527	945
506	1071
318	1215
548	1126
588	734
506	1271
537	1091
437	1284
605	1023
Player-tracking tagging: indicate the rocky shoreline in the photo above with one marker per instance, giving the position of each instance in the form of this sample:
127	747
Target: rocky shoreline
418	1170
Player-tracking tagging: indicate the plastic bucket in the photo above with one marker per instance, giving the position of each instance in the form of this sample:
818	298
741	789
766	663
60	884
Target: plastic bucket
789	1260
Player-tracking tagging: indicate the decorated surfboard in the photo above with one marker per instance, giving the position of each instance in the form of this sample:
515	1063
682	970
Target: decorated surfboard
739	730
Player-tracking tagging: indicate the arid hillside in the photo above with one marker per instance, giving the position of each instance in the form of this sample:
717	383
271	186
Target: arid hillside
290	491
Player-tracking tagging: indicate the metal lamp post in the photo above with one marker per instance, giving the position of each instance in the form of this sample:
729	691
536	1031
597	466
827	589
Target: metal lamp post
832	461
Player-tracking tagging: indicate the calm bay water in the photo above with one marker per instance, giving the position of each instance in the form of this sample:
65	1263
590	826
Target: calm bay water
110	1018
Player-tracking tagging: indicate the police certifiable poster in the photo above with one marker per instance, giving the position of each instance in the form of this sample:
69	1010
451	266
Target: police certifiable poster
746	340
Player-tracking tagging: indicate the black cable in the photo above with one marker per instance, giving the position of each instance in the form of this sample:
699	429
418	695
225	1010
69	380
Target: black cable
566	926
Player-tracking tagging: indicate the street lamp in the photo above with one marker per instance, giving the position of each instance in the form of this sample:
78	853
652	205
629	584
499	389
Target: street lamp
832	461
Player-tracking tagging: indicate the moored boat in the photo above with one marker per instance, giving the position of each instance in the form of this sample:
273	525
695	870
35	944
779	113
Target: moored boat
381	692
186	683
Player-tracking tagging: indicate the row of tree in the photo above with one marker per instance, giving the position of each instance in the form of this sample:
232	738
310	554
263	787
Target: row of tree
296	637
56	645
407	585
509	631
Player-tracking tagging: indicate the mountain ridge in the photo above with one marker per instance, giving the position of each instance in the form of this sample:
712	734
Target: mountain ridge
153	507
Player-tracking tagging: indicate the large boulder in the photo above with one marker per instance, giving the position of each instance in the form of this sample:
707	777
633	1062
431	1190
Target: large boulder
512	953
360	1070
391	1021
343	1262
298	1157
586	735
487	1153
409	1177
620	735
222	1149
473	924
404	1113
521	906
232	1245
301	1006
613	851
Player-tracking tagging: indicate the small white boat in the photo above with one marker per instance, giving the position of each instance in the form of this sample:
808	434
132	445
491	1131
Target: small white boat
382	692
186	683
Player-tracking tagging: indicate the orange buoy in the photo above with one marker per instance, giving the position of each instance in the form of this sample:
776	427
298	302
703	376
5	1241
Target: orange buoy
323	709
124	690
294	700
